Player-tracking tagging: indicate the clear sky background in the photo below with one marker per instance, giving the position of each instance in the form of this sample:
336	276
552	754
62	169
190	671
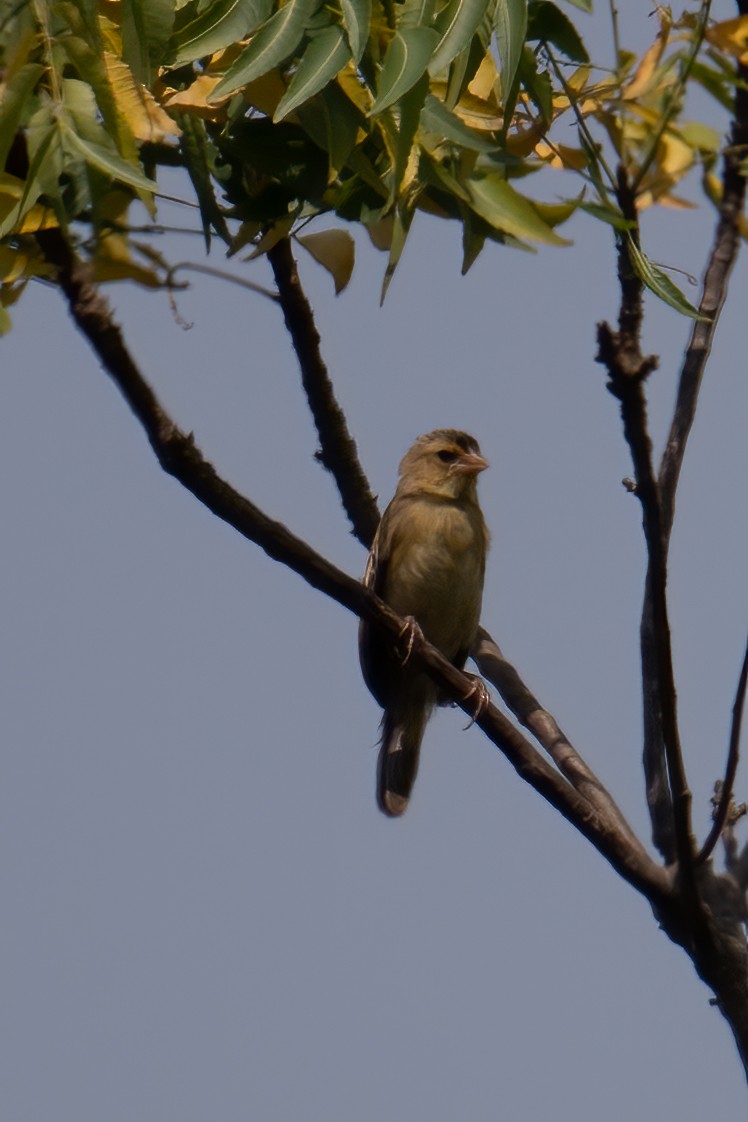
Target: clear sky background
205	916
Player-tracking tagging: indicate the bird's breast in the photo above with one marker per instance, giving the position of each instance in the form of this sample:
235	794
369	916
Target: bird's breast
435	571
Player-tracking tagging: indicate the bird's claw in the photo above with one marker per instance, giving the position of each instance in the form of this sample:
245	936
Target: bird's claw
412	630
479	691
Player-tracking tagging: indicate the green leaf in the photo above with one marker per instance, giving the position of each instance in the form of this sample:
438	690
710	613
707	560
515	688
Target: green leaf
195	147
400	230
335	251
437	119
432	172
356	17
657	282
536	83
410	106
415	13
220	24
44	152
717	83
91	69
273	44
463	69
326	54
146	27
510	25
548	23
458	25
608	214
506	210
14	105
583	5
332	121
406	60
106	160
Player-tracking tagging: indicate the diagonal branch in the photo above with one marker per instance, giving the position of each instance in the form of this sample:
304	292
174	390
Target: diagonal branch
180	457
338	452
530	713
733	755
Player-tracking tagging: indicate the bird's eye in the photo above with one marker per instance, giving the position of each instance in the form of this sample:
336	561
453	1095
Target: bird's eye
447	457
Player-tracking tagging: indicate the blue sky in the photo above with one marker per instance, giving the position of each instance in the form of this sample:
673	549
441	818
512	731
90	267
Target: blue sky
205	914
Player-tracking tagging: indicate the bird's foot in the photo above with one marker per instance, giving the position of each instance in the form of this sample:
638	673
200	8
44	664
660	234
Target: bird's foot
409	632
478	691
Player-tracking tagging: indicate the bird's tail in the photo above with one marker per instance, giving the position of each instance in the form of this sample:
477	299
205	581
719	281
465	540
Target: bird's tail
398	758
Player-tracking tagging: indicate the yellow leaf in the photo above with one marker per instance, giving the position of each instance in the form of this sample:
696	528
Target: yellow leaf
280	229
559	156
354	89
20	264
380	232
265	93
521	142
112	269
335	251
145	118
195	98
110	32
731	36
674	156
646	70
474	111
485	84
38	218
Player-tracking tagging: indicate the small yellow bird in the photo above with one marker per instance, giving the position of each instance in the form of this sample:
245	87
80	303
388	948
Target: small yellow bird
427	562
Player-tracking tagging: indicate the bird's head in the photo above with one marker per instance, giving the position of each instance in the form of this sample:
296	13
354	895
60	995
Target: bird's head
444	462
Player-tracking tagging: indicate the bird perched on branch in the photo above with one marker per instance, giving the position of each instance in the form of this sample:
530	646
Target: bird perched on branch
427	562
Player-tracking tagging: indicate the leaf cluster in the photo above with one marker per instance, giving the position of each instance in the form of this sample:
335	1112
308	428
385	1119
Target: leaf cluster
366	110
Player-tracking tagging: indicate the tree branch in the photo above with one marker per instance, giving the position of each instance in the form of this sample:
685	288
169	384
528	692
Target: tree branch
668	794
733	755
180	457
530	713
338	452
721	260
719	266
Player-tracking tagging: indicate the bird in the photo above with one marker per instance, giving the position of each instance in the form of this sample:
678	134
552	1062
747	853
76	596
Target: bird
427	562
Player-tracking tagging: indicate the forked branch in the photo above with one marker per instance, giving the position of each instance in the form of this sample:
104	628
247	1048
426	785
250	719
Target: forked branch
620	352
180	457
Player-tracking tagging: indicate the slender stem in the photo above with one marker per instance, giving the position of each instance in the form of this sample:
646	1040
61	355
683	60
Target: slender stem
673	97
733	755
581	123
628	369
223	274
338	452
714	293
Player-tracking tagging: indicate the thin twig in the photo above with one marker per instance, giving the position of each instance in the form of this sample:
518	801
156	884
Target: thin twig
581	123
721	260
673	96
733	755
663	758
338	452
223	274
180	457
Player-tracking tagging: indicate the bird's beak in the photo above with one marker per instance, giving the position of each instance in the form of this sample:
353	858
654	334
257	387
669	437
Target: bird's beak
470	463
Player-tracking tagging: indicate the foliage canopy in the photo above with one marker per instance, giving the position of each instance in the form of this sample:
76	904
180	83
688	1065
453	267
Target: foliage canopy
367	110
